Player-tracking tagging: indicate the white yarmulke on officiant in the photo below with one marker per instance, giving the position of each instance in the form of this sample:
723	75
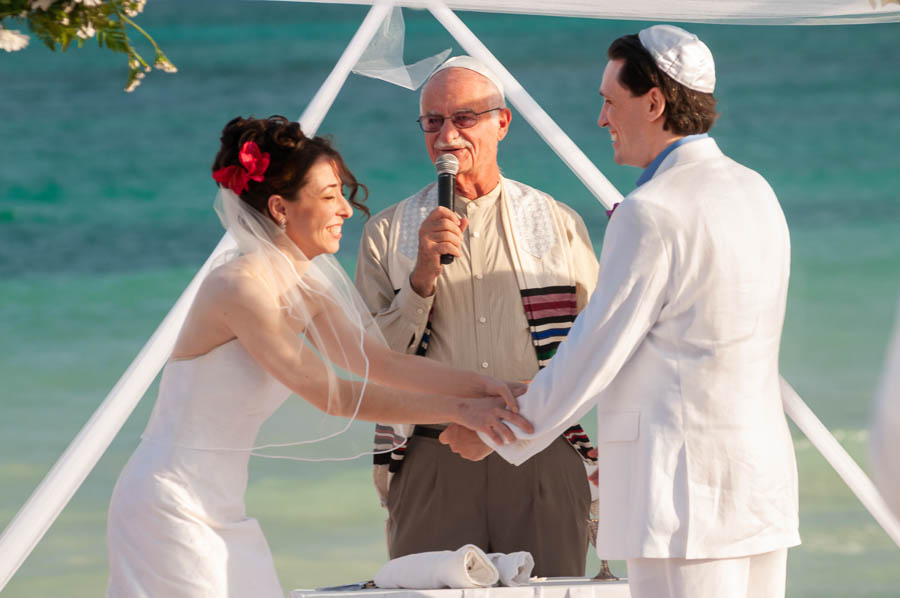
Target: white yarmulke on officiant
681	55
473	64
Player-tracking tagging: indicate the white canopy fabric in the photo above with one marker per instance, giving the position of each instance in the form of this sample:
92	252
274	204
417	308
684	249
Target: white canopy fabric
738	12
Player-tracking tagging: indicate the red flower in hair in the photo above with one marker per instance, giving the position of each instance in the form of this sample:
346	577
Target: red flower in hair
253	165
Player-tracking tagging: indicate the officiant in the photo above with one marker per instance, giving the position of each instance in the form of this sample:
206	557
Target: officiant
523	267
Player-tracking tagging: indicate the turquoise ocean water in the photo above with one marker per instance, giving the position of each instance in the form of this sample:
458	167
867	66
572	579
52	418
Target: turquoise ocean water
105	215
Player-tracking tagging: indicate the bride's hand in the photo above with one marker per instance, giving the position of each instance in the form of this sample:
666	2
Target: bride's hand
488	415
508	391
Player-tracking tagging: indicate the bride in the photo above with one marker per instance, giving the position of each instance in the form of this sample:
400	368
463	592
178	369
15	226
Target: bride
278	318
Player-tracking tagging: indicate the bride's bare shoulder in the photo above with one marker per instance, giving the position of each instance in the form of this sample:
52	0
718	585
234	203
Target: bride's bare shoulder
235	282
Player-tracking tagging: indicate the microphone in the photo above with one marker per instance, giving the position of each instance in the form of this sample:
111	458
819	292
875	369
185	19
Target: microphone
447	166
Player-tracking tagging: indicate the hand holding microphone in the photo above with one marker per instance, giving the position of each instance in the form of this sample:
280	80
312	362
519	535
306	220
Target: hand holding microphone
447	166
440	235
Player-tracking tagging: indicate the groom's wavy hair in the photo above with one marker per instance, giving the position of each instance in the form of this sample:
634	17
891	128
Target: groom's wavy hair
291	155
687	111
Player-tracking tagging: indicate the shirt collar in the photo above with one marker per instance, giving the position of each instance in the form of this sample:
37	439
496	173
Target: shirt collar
651	170
485	201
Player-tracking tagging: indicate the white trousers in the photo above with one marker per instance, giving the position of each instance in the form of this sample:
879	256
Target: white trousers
755	576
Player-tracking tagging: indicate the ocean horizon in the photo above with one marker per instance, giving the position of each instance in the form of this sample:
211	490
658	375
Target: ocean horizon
106	214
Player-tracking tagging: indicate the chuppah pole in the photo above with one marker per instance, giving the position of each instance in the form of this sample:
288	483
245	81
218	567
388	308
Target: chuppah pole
70	470
320	104
840	460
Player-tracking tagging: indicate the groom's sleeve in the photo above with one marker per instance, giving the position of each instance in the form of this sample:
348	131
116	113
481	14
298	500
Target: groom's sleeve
634	270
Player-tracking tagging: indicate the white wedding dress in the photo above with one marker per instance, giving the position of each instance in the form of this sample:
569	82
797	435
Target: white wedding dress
177	520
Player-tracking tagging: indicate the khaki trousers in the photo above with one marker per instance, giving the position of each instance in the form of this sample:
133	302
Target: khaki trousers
439	501
756	576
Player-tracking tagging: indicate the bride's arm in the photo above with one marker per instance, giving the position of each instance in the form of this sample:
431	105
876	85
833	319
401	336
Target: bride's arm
395	369
249	311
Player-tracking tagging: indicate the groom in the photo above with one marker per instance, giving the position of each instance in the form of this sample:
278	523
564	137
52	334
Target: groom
678	346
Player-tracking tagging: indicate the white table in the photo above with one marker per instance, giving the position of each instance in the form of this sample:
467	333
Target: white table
554	587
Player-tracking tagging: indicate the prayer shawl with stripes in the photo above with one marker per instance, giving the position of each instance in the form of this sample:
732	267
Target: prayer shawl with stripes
541	256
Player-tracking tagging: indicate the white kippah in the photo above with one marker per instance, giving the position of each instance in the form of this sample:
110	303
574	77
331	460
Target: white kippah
681	55
467	62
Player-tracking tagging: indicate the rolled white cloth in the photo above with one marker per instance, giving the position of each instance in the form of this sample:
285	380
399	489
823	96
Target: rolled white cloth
514	568
467	567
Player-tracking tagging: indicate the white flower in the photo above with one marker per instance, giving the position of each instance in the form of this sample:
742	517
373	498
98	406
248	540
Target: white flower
134	79
41	4
89	2
12	40
133	9
86	31
164	65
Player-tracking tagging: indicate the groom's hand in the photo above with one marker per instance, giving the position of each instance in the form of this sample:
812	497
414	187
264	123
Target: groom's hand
465	443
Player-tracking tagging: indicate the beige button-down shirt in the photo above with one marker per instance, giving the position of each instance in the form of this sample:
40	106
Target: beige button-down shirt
479	321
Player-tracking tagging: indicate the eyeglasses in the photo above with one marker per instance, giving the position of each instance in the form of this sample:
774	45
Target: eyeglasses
432	123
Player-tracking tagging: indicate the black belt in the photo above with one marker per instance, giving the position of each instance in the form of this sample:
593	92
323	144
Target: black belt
427	432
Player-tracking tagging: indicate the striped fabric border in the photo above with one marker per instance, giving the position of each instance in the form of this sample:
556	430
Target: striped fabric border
550	312
384	440
581	442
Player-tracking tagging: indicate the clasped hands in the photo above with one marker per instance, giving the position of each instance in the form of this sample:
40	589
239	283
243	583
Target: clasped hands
466	442
468	445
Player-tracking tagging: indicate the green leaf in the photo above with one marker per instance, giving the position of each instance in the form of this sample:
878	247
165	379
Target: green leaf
114	39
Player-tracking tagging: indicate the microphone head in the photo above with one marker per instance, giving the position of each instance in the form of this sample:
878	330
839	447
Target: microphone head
446	164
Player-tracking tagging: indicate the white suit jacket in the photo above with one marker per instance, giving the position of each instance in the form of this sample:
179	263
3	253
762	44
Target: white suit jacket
678	349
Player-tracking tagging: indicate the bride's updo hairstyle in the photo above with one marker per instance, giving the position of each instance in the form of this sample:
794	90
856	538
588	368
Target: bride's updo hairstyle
291	154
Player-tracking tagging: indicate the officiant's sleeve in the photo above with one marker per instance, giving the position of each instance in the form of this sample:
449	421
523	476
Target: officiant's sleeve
630	292
401	314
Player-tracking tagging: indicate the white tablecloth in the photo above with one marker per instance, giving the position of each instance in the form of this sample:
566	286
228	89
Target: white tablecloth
558	587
